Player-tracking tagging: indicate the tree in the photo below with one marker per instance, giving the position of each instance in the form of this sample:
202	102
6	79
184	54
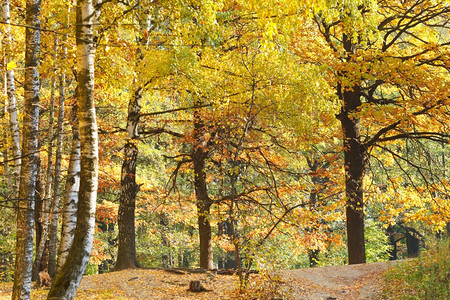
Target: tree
199	155
385	73
126	255
70	196
11	93
69	277
44	213
70	200
28	173
53	228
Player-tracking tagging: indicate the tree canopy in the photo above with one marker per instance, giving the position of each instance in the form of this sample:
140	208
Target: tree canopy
231	134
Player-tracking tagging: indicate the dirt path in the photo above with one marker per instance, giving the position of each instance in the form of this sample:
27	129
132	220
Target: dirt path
337	282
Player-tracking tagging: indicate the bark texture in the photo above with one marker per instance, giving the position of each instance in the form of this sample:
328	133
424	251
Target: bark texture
201	193
53	229
11	93
126	254
50	178
70	198
69	277
70	201
44	214
25	213
354	164
39	210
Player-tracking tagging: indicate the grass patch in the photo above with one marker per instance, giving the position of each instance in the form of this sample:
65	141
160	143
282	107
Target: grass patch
426	277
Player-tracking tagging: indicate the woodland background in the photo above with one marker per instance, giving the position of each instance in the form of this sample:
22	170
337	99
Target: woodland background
231	134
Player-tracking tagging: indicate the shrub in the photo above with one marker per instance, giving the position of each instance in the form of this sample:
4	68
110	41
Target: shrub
426	277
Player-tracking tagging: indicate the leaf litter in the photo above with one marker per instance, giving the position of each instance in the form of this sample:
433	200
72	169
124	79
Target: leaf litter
335	282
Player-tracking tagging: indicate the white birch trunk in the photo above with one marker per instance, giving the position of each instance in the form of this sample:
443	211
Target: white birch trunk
47	199
3	109
11	91
68	279
44	219
70	201
28	173
53	231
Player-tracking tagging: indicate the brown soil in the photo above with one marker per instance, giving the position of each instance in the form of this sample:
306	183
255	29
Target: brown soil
336	282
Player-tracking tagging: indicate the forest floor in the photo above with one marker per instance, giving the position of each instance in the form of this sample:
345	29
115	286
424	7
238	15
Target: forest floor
362	281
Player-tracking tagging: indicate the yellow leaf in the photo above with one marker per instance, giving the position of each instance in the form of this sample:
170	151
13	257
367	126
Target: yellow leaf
11	65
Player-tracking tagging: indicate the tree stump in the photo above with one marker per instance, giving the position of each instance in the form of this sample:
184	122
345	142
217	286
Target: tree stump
196	286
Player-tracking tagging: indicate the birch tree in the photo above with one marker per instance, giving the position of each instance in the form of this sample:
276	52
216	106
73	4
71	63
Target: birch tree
70	201
11	93
69	277
44	215
28	173
53	229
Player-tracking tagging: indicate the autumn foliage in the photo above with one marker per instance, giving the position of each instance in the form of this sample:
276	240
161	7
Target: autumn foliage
245	134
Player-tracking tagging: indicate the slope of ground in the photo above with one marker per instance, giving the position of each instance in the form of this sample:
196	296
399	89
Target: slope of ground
361	281
337	282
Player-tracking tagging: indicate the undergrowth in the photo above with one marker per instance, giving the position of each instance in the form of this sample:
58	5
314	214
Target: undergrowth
267	286
426	277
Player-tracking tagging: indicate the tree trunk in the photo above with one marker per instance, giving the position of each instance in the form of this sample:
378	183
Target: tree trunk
126	255
70	198
11	91
201	193
70	202
39	210
68	279
315	167
28	173
53	230
42	234
412	242
354	165
228	260
4	17
393	242
167	257
46	199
